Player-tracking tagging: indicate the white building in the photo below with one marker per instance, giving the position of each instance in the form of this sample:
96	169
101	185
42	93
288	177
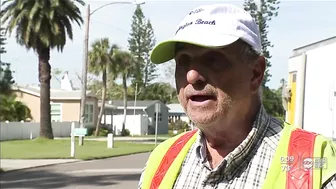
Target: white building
140	116
311	102
176	112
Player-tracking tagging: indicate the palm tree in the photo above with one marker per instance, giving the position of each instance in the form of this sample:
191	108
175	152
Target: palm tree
42	25
125	62
100	63
12	110
160	91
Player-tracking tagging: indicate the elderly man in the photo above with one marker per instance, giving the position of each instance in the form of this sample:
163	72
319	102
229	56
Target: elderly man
219	72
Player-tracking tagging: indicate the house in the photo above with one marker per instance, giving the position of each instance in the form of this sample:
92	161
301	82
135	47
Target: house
140	119
310	97
176	112
64	102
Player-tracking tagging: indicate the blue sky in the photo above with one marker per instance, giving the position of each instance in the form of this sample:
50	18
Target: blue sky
299	23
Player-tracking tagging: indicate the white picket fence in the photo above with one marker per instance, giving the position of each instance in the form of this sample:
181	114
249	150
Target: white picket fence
26	130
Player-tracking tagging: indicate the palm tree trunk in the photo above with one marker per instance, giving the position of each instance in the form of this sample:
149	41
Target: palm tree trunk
44	78
102	107
123	133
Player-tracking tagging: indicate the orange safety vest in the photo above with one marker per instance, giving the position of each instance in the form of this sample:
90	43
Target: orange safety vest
295	144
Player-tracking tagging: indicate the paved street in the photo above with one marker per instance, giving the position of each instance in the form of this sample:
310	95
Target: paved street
117	173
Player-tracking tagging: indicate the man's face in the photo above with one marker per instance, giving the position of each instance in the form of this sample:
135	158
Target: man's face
215	84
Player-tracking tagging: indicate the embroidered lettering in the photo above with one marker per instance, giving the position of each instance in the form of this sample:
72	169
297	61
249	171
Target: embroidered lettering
183	26
200	21
196	11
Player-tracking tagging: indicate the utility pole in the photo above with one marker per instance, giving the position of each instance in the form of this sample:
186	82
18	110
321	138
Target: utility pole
84	73
135	98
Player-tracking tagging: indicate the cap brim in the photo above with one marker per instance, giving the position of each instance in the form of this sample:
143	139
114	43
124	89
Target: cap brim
165	50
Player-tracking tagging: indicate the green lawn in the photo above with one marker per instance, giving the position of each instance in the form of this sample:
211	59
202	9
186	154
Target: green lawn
48	149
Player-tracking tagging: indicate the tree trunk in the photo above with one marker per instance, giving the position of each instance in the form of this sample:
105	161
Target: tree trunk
102	107
44	78
123	130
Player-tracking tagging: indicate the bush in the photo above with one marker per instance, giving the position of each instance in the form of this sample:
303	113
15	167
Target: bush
103	132
125	132
90	131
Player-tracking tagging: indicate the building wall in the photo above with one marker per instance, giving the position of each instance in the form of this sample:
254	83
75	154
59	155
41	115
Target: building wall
70	109
31	101
150	112
163	124
129	112
315	94
319	100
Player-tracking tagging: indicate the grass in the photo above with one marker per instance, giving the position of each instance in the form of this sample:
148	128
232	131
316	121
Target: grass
60	149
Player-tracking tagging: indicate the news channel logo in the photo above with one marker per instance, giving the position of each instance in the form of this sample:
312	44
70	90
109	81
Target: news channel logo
310	163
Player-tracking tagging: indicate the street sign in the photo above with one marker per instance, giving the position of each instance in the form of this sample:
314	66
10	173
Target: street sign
80	131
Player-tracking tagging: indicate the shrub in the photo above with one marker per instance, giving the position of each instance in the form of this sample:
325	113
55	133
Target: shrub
90	131
125	132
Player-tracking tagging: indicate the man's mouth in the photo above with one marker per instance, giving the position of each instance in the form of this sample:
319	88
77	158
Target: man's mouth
201	98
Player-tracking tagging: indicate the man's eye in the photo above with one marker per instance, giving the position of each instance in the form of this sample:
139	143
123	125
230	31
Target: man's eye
183	60
216	61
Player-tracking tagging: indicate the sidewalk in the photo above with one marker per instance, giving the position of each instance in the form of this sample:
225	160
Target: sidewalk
16	164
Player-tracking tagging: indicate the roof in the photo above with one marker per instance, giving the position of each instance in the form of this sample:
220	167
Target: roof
55	94
107	105
315	45
139	103
176	108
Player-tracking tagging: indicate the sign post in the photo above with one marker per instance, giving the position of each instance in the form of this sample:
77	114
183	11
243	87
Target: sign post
157	110
72	150
80	132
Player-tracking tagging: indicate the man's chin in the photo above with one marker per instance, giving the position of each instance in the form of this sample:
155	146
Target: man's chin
203	120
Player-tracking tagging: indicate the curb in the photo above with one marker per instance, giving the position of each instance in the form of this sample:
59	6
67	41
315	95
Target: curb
37	166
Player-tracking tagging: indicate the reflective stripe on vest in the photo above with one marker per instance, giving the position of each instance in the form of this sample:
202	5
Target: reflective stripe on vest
163	151
294	145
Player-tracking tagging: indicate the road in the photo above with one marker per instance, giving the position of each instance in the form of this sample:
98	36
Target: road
117	173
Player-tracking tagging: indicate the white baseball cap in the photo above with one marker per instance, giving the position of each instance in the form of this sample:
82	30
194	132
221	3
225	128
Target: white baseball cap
212	26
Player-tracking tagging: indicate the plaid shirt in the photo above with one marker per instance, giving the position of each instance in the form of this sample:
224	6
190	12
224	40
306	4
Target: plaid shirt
245	167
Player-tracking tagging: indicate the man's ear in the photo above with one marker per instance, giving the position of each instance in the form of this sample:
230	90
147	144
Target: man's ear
258	71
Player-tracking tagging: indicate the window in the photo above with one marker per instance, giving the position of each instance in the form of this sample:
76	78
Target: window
159	118
55	112
89	113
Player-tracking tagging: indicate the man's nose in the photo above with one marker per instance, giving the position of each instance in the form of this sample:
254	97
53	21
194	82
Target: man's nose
193	76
